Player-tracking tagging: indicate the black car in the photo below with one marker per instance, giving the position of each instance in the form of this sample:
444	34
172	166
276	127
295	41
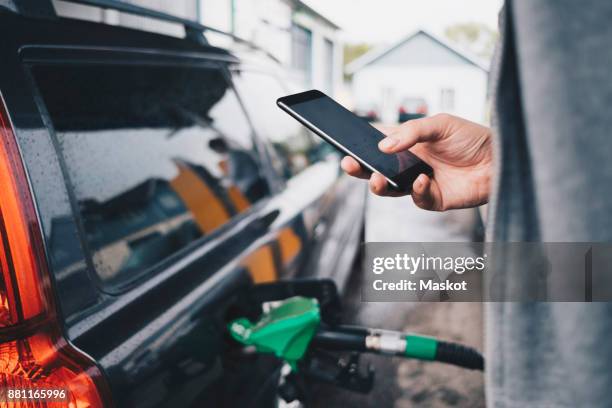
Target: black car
146	183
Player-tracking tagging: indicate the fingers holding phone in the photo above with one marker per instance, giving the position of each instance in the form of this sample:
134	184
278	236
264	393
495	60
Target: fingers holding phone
421	188
353	168
458	150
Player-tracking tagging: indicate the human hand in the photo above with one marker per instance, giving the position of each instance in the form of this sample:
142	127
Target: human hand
459	151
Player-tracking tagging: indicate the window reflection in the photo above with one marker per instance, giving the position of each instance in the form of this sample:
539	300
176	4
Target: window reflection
295	148
157	157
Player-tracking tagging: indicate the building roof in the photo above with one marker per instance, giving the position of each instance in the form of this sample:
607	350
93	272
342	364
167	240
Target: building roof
309	9
379	52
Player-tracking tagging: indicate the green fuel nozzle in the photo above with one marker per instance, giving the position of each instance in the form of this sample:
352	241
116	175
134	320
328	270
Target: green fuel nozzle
293	326
286	330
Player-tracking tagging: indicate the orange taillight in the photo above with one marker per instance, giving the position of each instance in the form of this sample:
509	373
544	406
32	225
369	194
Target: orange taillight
20	292
34	356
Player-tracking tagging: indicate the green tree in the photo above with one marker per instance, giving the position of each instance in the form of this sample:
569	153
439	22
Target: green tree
477	38
354	51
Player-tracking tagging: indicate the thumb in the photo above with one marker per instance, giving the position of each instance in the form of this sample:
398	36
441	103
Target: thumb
412	132
426	194
385	129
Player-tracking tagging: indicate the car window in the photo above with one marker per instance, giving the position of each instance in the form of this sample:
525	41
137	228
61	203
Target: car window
157	158
295	148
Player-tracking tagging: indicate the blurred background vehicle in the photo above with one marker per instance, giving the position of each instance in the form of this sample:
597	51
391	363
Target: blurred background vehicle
368	112
152	181
411	108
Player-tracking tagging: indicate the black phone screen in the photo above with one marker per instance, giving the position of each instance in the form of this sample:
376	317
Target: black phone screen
353	133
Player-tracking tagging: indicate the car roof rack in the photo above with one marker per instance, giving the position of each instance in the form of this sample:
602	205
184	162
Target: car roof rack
193	30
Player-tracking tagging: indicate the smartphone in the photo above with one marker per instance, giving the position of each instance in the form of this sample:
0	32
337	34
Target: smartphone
353	136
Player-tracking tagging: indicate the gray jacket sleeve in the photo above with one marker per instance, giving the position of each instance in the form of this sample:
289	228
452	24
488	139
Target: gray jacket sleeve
552	106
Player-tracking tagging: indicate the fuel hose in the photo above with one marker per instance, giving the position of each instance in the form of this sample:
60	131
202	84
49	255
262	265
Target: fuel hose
349	338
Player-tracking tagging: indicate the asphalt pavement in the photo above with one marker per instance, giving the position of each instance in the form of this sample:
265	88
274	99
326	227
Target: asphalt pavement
410	383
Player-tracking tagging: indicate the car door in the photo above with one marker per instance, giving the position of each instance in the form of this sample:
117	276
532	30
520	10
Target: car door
332	205
164	220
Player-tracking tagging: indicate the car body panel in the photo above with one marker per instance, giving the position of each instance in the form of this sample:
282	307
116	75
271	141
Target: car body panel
161	341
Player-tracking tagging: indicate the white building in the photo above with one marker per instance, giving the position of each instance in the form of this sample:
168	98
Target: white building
303	40
421	67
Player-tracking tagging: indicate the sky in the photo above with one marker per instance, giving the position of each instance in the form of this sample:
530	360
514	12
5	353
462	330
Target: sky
385	21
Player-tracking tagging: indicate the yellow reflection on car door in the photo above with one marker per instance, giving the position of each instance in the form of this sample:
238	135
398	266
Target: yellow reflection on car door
207	209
